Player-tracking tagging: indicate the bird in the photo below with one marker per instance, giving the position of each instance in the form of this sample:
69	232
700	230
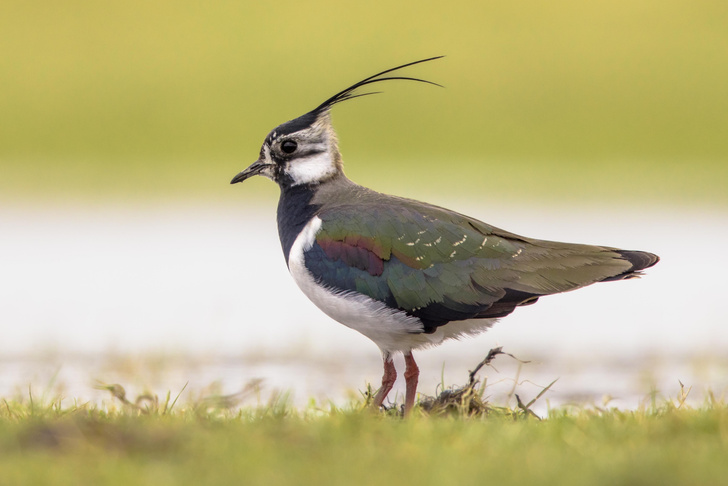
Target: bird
407	274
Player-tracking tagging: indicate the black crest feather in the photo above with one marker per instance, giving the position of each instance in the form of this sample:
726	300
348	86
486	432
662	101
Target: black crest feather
308	119
348	93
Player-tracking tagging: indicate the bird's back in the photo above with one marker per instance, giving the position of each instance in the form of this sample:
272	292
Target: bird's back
439	265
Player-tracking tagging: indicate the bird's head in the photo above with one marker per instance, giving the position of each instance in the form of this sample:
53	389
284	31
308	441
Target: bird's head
305	150
300	151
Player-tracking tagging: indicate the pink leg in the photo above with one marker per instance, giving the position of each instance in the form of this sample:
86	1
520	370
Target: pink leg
388	379
411	375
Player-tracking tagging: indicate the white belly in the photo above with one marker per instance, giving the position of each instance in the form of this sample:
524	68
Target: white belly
390	329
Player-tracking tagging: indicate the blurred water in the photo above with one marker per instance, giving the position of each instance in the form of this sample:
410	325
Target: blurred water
80	284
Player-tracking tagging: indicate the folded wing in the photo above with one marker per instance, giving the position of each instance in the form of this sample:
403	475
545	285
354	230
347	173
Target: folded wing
442	266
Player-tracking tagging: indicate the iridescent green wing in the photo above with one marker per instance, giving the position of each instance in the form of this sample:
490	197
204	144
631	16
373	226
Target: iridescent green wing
442	266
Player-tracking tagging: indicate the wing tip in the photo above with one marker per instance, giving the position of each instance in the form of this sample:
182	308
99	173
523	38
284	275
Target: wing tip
640	260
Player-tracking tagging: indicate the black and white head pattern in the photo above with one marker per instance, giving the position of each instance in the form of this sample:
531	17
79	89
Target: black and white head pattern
302	151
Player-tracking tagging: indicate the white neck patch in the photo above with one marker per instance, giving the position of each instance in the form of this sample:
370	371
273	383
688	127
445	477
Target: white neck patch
311	169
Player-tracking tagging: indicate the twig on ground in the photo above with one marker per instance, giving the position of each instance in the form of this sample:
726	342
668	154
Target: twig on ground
466	400
488	359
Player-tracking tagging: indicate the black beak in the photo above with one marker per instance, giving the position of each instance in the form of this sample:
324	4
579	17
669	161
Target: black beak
254	169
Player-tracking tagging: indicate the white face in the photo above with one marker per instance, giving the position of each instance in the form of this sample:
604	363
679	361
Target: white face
308	156
311	169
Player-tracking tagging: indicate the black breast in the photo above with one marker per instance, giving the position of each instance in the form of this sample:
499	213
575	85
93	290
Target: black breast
295	210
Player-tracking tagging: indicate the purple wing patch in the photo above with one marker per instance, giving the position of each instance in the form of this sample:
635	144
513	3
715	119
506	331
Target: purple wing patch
356	251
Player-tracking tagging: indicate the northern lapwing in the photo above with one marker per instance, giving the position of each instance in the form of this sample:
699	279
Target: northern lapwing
404	273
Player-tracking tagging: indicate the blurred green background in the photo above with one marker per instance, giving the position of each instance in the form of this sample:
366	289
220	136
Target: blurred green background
566	100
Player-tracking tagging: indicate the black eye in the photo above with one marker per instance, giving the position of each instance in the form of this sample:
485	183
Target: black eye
289	146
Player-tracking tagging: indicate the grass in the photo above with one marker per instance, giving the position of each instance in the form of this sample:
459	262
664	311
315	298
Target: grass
147	440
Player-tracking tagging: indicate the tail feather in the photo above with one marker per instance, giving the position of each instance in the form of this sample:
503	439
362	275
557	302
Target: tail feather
640	260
